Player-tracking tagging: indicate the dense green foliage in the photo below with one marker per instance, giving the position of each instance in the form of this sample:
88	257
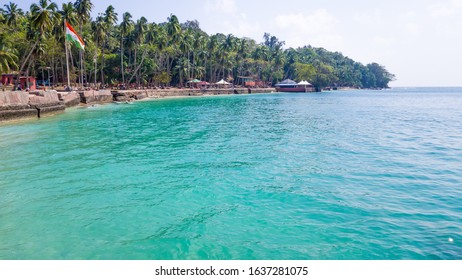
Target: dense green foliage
144	53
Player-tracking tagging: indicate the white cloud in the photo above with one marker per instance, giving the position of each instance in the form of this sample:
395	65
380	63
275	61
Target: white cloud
221	6
240	26
383	40
317	29
413	28
223	16
445	9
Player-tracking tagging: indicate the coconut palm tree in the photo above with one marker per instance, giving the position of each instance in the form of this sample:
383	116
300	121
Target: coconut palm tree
212	49
83	8
186	45
125	28
199	44
99	33
139	34
182	66
69	14
109	18
7	59
227	47
12	14
173	31
42	17
173	28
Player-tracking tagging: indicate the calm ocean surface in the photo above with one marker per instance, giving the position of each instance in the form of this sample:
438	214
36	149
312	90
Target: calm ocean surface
339	175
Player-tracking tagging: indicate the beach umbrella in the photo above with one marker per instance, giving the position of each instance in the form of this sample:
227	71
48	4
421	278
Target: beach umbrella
222	82
304	83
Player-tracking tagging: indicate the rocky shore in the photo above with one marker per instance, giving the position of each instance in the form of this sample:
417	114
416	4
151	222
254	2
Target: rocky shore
36	104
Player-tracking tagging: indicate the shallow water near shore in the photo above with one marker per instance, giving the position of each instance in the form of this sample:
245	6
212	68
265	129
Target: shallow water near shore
337	175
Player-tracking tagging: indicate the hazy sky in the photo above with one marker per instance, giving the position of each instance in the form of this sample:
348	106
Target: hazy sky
419	41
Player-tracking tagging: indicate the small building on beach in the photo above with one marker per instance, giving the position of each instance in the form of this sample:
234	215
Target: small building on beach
289	85
10	80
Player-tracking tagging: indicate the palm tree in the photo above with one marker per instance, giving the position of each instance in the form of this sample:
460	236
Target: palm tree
212	49
109	19
12	14
157	38
125	28
42	17
173	32
182	66
99	33
69	14
139	34
83	8
173	28
7	59
199	44
227	47
186	44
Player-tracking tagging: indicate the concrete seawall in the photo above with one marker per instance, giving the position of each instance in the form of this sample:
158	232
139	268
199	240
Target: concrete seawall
22	104
95	96
125	95
14	105
18	104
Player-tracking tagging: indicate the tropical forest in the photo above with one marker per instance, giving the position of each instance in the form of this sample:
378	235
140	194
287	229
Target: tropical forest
120	49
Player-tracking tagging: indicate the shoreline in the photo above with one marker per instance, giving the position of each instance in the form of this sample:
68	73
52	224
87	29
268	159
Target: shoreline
25	106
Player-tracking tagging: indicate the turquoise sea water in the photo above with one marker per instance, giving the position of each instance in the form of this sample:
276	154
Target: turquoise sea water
339	175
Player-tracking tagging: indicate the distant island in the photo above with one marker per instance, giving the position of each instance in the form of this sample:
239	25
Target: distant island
117	50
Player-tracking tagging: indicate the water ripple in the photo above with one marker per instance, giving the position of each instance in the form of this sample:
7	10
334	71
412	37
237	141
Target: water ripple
346	175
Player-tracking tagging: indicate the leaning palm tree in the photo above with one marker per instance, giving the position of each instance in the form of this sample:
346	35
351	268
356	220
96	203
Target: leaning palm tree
41	19
125	28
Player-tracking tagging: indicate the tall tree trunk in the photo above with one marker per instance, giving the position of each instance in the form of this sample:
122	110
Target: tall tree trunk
122	59
102	68
62	71
80	69
21	69
96	68
134	65
27	75
138	67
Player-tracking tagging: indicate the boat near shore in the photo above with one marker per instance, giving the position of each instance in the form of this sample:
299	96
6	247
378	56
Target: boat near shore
289	85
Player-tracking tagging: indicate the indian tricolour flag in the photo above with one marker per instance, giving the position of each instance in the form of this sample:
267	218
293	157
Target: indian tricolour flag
72	36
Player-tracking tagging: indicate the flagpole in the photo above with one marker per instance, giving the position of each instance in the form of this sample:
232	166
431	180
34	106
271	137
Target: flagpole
81	69
67	57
